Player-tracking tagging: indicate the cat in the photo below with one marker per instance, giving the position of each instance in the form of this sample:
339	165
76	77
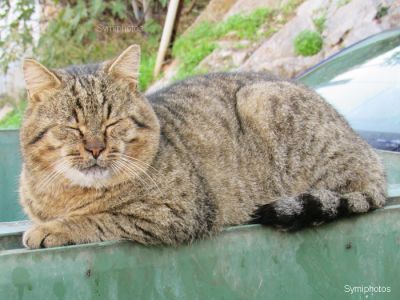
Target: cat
103	162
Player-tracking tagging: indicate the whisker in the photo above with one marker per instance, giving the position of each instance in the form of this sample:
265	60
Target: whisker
142	168
127	170
52	176
37	166
139	161
51	172
133	165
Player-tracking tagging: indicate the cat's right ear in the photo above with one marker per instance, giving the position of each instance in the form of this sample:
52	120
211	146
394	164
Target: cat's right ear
38	79
126	65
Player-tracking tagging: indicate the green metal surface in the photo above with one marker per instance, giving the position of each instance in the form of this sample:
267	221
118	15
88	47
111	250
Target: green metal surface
247	262
391	161
10	168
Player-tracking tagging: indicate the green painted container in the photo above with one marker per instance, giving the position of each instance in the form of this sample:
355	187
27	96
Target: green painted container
245	262
10	168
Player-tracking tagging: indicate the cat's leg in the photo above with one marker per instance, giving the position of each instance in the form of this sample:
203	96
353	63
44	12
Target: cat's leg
314	207
168	228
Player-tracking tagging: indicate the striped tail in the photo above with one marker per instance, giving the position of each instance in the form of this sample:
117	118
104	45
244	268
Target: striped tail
312	208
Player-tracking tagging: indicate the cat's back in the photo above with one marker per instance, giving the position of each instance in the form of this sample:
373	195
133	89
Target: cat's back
228	115
220	86
204	104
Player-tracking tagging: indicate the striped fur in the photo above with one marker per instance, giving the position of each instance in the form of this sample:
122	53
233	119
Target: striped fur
311	208
183	162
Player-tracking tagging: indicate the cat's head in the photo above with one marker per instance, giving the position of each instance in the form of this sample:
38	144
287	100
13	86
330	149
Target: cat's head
87	125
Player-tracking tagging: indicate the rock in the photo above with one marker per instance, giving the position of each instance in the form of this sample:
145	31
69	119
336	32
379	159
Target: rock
293	66
228	55
248	6
169	72
345	25
312	8
238	58
5	110
289	67
392	19
280	45
360	32
214	12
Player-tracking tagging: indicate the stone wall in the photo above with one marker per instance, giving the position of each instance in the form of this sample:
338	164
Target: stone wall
347	22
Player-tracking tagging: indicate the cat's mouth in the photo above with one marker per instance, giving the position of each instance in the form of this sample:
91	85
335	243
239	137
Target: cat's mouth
95	170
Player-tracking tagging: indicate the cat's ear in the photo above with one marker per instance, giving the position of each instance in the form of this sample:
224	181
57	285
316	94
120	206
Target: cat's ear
38	78
126	65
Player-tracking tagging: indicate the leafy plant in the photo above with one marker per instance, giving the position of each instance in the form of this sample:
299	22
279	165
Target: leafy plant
193	47
15	34
152	27
83	31
118	9
382	11
308	43
319	23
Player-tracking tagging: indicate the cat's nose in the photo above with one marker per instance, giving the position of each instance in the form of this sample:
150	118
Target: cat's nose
95	147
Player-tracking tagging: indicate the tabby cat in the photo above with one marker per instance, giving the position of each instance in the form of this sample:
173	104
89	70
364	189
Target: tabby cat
104	162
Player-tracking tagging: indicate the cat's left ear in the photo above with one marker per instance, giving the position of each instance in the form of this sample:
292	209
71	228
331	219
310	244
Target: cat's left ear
38	78
126	65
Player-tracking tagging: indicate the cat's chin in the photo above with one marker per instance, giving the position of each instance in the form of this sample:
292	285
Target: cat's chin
90	177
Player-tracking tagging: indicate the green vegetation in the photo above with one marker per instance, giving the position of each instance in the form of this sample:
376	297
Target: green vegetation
319	23
87	31
153	28
15	30
289	7
83	31
101	26
14	118
341	3
382	11
308	43
194	46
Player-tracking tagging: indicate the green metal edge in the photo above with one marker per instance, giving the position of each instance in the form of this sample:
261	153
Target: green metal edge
244	262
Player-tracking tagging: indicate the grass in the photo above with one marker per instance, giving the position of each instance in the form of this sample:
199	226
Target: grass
191	48
308	43
289	8
319	23
146	71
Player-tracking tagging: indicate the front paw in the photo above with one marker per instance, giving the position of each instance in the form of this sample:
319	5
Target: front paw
45	236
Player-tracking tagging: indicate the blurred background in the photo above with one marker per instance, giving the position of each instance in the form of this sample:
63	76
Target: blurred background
285	37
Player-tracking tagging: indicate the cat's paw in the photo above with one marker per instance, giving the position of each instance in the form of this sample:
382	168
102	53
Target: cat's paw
46	236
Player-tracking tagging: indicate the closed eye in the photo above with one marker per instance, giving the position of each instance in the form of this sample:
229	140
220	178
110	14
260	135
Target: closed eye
138	123
113	123
75	129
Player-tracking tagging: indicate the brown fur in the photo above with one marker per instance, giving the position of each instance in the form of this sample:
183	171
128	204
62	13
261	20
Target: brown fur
185	161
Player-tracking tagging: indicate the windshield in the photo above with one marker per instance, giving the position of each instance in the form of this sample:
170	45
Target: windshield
363	84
